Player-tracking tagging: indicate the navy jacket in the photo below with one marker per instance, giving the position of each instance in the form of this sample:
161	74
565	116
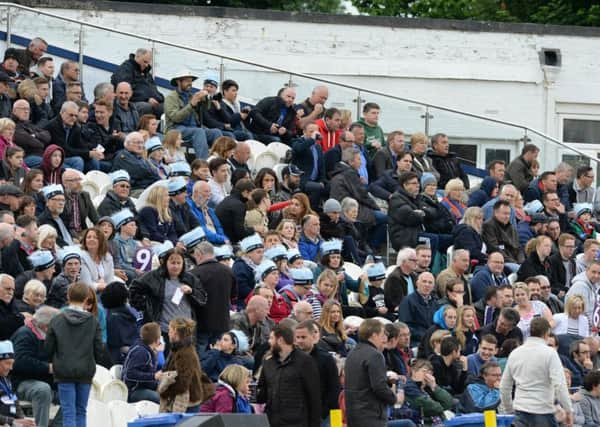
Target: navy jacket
267	112
417	314
302	156
385	185
332	157
244	275
465	237
31	359
139	367
484	194
140	171
155	230
482	280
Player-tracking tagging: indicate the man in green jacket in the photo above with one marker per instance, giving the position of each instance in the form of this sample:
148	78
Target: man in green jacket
374	137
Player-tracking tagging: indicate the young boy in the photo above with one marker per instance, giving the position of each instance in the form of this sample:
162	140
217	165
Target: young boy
374	136
375	304
74	343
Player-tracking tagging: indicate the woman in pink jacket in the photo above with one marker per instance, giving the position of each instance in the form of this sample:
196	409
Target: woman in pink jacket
233	391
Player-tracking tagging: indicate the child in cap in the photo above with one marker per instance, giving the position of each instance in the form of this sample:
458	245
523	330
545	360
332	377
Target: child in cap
374	302
582	226
124	243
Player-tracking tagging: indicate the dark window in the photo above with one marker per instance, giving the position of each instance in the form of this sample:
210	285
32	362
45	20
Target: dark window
581	131
465	152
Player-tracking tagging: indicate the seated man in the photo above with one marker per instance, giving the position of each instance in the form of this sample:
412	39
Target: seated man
125	117
333	156
346	182
417	309
449	367
484	393
11	412
69	73
501	236
492	274
252	321
102	133
55	205
140	368
206	215
581	363
182	215
31	138
32	371
184	110
307	155
130	159
273	118
386	157
239	158
233	113
329	129
504	327
310	240
137	72
43	264
445	162
30	56
78	206
117	198
486	352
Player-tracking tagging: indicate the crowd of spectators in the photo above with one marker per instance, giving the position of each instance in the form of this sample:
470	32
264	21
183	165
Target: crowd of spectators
243	282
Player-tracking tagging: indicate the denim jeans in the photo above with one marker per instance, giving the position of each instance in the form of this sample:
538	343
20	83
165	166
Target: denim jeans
75	162
41	396
143	394
33	162
98	165
73	401
201	138
525	419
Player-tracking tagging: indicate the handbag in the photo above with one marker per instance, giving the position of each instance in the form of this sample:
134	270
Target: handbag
166	380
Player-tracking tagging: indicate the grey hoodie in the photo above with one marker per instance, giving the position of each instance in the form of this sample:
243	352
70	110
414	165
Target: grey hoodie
581	285
74	343
590	407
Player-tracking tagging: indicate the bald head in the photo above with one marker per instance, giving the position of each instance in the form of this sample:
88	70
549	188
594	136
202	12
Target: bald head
241	153
303	311
319	95
289	96
425	283
201	193
257	309
21	109
123	92
71	180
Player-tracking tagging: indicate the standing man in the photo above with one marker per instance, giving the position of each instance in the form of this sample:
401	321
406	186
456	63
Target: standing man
289	383
374	136
445	162
538	380
366	390
29	57
519	170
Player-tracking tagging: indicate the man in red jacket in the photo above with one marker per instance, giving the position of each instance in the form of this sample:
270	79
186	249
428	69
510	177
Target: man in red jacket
329	128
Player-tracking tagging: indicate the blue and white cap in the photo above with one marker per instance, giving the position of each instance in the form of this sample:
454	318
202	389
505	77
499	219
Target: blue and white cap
119	176
302	276
581	208
180	169
193	237
122	217
153	144
223	252
250	243
7	350
293	255
69	252
242	344
264	268
532	207
52	190
176	186
212	79
161	249
331	247
276	253
376	271
41	260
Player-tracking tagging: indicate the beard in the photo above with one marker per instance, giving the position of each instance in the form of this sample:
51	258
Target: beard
276	350
292	185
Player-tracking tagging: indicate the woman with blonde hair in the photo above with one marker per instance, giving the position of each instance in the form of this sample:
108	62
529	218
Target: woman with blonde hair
573	321
155	218
466	326
453	199
529	309
7	133
467	235
334	336
34	295
232	392
421	161
172	144
46	239
327	286
538	251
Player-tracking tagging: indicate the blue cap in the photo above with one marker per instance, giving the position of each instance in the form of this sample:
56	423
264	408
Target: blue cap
427	178
153	144
223	252
122	217
69	252
581	208
276	253
161	249
41	260
242	345
6	350
264	268
302	276
193	237
177	185
180	169
119	176
331	247
250	243
52	190
532	207
293	255
376	271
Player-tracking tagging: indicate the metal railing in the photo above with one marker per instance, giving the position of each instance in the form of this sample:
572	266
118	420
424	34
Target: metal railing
526	132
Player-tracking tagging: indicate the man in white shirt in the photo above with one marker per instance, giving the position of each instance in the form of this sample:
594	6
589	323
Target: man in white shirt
538	380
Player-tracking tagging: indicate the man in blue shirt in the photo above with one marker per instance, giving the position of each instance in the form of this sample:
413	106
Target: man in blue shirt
206	216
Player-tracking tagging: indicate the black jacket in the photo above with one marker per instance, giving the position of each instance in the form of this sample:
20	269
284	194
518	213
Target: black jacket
558	274
332	157
73	145
405	223
514	333
142	83
232	212
267	111
140	171
221	290
382	161
291	390
112	204
367	392
121	332
533	267
345	182
438	219
46	218
31	359
330	381
147	292
396	288
183	218
466	237
74	363
452	378
502	238
449	167
10	319
385	185
31	138
93	134
303	158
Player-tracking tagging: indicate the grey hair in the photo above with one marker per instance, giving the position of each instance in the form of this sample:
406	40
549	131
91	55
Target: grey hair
401	325
101	89
44	315
130	136
508	186
543	279
34	285
7	231
141	52
349	153
37	41
458	252
4	276
205	248
66	65
404	254
68	104
349	203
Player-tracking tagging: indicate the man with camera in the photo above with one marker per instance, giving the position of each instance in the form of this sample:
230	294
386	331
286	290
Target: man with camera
184	111
273	118
307	155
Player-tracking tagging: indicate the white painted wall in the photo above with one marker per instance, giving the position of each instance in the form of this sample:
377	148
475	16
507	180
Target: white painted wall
494	74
